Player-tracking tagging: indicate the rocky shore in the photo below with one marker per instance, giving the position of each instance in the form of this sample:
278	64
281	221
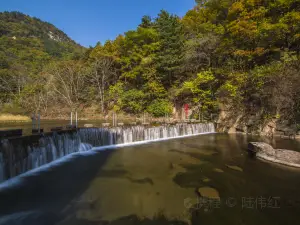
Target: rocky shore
267	152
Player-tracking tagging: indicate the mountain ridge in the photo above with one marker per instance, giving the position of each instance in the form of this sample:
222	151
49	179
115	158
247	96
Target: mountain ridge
19	31
35	27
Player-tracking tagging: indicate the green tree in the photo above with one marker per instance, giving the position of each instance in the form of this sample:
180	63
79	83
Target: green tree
146	22
160	108
200	90
169	57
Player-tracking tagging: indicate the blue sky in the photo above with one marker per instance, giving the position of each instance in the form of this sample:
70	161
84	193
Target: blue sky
90	21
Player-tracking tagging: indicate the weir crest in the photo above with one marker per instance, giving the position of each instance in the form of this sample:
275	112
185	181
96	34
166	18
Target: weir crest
19	155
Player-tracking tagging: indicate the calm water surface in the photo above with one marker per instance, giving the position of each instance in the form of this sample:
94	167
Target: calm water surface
158	183
48	124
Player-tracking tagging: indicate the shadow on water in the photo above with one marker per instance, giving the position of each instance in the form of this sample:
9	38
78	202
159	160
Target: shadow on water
53	188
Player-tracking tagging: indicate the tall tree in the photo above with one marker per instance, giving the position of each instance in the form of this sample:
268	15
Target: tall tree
146	22
68	81
103	62
169	56
103	71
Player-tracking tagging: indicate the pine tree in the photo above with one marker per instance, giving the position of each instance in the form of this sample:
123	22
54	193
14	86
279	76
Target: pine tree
170	54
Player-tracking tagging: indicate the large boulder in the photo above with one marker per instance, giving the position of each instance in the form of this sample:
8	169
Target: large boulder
267	152
255	147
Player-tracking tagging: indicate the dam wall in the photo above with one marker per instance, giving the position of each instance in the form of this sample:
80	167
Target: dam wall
21	154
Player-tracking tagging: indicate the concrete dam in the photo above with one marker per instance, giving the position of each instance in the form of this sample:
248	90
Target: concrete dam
22	154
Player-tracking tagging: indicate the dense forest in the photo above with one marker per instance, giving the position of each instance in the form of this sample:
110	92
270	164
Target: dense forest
242	55
27	46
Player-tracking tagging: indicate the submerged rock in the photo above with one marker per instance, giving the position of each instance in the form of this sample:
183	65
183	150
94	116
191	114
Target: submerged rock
208	192
218	170
206	180
235	168
267	152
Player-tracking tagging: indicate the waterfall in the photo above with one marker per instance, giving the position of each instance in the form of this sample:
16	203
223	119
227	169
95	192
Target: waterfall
24	154
112	136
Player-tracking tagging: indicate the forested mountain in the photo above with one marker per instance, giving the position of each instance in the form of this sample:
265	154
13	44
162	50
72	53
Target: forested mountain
23	29
26	45
20	25
242	55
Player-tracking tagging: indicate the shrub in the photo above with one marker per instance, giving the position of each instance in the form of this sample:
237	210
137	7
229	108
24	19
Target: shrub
160	107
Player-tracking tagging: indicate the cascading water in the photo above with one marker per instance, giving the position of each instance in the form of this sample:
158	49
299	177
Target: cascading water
118	135
19	155
24	154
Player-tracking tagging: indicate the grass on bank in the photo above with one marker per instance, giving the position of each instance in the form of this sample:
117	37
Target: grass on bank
13	118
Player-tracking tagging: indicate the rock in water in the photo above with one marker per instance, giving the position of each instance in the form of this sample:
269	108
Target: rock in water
206	180
235	168
267	152
208	192
218	170
255	147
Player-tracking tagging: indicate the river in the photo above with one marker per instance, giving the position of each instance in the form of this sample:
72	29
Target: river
158	183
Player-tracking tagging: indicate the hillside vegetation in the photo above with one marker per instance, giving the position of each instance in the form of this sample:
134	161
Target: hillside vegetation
239	54
27	45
